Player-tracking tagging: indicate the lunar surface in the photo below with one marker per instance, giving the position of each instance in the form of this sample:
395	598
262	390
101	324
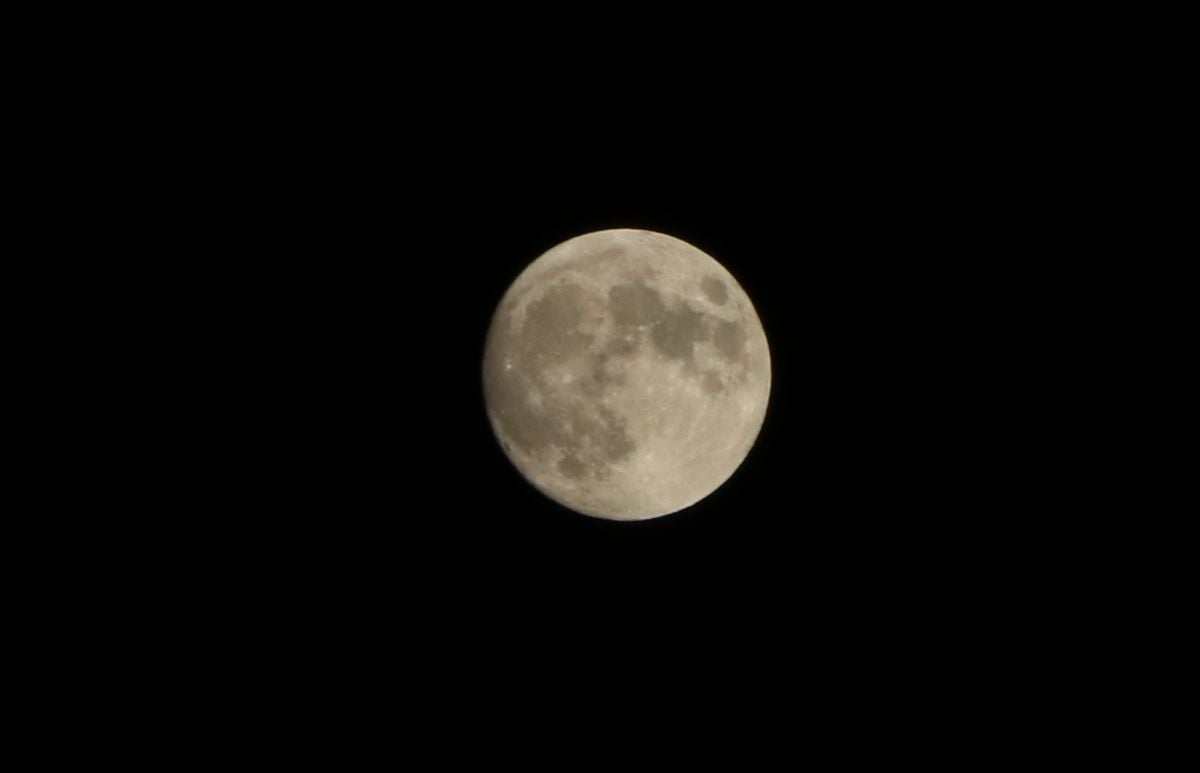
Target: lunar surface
626	374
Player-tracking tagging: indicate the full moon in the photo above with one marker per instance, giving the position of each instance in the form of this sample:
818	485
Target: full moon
626	374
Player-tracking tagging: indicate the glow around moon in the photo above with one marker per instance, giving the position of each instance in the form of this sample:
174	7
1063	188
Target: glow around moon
626	374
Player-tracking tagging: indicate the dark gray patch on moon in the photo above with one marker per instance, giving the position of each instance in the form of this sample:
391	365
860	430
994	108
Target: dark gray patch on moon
612	441
677	332
634	304
730	340
610	253
571	467
712	383
599	378
551	323
672	332
621	345
715	290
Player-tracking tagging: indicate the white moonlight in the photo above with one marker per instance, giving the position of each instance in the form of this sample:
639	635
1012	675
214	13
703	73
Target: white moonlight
626	374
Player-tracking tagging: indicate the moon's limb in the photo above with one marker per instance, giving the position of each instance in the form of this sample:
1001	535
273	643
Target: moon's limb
626	374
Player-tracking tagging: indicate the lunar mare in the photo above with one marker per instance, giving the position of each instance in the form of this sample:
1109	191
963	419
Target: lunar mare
626	374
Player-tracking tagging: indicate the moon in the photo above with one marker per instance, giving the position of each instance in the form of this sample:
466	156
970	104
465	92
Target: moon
626	374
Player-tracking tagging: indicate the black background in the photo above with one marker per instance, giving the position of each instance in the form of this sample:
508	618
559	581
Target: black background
328	223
